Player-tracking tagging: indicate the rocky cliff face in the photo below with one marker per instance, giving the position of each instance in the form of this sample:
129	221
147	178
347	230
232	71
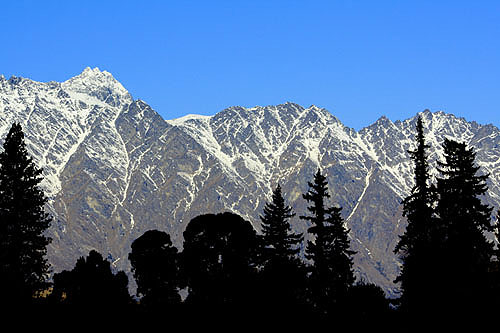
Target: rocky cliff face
114	168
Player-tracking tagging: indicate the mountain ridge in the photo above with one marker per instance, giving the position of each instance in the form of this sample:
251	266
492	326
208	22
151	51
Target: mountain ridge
114	168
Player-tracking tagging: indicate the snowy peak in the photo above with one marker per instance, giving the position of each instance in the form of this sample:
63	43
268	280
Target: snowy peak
88	71
59	117
188	118
99	84
94	74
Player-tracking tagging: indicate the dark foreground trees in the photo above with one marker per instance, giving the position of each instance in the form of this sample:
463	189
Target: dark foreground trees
220	261
282	273
367	301
464	251
23	222
91	284
156	269
416	247
448	261
331	274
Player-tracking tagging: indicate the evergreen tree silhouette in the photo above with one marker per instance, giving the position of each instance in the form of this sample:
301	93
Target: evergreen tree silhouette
23	222
368	301
155	266
465	253
92	285
219	260
332	273
282	271
279	240
415	245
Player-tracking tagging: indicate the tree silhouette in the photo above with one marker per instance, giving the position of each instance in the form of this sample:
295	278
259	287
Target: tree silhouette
155	266
282	271
23	222
279	240
465	253
415	246
368	301
219	258
332	274
91	284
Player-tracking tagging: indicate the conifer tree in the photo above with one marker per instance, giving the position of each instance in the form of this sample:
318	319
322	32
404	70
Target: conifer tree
332	272
282	269
465	253
414	246
280	243
23	221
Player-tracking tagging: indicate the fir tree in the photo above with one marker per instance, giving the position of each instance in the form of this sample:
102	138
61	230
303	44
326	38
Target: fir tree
282	269
23	221
280	243
465	253
414	246
332	272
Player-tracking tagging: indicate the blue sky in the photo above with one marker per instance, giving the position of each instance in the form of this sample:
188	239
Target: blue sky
358	59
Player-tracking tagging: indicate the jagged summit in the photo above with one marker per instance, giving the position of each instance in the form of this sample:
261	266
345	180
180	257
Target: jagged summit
99	84
94	72
95	75
287	110
89	71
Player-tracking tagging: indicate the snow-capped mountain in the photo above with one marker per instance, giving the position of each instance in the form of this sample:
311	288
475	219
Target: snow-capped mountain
114	168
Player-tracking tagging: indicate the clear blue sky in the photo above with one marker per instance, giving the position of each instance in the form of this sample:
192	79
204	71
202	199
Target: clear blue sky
358	59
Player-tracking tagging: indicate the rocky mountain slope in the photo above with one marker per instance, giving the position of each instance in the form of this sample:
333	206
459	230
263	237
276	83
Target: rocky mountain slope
114	168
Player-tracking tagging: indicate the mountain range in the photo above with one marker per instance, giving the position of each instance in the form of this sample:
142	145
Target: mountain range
114	168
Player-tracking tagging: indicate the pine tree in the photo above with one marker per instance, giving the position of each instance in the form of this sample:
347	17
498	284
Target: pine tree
465	252
414	246
23	221
332	272
282	269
